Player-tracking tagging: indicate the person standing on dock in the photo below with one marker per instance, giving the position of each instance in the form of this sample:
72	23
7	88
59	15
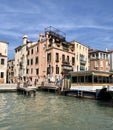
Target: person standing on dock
35	82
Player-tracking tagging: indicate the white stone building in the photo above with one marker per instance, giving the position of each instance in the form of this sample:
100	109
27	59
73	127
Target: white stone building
3	61
21	53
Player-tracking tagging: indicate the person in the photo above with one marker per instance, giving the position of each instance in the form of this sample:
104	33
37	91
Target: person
35	82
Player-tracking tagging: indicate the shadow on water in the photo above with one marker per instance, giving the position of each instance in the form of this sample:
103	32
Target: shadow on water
103	103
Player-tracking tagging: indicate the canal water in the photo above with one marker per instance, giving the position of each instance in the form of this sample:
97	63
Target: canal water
48	111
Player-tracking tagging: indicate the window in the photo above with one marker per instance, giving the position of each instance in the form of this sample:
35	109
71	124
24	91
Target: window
57	57
93	55
37	71
28	52
37	49
31	78
73	60
31	61
88	79
27	62
100	79
2	61
31	70
49	69
80	79
36	60
27	71
49	57
57	69
74	79
2	74
63	57
95	79
32	51
96	63
68	58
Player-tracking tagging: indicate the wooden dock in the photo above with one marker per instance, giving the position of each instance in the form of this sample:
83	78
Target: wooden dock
53	89
26	91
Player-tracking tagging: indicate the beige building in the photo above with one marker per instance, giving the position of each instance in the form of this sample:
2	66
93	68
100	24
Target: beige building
10	71
81	56
98	60
21	58
3	61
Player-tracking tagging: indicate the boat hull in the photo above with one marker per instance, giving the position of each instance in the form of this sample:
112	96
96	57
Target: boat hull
105	95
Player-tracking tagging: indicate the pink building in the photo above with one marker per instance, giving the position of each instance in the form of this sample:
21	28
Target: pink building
51	58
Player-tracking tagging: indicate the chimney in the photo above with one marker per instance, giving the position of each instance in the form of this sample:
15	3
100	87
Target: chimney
47	34
41	36
25	38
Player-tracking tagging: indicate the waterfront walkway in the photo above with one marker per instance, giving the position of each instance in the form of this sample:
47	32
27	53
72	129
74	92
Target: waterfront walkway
8	87
12	87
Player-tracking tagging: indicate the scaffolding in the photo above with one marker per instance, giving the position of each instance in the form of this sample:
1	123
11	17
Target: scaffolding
55	33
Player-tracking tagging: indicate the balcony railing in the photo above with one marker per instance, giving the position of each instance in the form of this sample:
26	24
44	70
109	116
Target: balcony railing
55	32
82	68
94	58
65	48
65	62
82	62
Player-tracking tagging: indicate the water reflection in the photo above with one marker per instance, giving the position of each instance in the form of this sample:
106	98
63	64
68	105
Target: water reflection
49	111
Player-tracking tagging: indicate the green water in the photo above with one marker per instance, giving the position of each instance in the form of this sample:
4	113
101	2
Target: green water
49	111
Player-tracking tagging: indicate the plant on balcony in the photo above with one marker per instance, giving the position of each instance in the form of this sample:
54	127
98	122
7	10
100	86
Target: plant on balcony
65	48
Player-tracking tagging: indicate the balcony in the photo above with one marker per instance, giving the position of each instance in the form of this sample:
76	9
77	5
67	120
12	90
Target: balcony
65	48
65	62
96	67
94	58
82	62
82	68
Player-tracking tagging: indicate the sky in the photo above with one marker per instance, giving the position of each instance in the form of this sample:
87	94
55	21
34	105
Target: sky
89	22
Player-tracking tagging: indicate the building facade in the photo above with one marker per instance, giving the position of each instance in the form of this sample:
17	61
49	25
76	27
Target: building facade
51	58
110	57
98	60
81	56
21	59
10	71
3	61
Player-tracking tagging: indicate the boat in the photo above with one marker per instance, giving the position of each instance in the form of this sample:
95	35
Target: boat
91	84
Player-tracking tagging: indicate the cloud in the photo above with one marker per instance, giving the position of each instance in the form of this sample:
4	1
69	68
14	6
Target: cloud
91	24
